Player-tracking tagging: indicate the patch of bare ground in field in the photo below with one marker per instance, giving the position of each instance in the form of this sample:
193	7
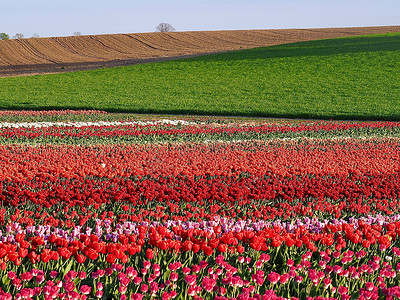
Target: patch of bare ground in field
64	54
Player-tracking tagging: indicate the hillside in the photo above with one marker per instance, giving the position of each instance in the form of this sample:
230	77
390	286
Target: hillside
344	78
63	54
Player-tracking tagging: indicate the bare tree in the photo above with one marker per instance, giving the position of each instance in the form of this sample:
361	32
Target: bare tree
164	27
35	35
18	36
77	33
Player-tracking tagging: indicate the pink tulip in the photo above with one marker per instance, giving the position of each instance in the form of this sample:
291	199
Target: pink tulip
173	276
208	284
196	269
37	290
290	262
109	271
131	272
40	279
71	275
154	287
337	269
124	280
298	279
345	273
152	277
99	294
265	257
284	278
192	291
47	290
82	275
144	288
156	267
191	279
100	273
27	293
137	297
122	289
273	277
369	286
137	280
68	286
322	264
203	264
343	290
73	295
327	282
85	289
11	275
17	283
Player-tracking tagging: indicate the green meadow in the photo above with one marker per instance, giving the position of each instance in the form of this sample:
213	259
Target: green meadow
346	78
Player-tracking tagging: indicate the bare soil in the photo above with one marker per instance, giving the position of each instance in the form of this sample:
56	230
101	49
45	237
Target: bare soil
65	54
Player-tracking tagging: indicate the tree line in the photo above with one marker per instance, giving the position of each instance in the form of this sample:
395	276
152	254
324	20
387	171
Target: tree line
5	36
162	27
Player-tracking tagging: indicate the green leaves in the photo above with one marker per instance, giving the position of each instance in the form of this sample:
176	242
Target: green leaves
68	264
5	280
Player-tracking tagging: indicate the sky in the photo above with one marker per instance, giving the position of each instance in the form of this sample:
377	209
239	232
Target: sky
64	17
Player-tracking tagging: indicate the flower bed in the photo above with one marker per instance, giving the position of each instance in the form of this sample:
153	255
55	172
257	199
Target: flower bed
191	209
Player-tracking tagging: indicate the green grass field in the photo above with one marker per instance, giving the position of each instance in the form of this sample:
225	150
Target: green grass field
346	78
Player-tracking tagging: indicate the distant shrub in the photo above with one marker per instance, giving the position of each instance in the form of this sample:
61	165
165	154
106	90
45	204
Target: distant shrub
4	36
18	36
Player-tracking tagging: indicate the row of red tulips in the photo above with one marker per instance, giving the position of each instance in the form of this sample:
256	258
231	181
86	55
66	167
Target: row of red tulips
318	157
205	197
19	242
185	131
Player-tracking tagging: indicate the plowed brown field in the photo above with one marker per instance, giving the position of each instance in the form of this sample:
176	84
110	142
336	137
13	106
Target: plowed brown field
63	54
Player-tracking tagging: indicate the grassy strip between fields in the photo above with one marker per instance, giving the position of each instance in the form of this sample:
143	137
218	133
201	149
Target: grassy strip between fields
346	78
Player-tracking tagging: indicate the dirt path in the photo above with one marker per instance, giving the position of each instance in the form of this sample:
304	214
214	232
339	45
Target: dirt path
64	54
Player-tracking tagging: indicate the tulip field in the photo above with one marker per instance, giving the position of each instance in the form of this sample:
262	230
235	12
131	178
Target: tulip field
106	206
